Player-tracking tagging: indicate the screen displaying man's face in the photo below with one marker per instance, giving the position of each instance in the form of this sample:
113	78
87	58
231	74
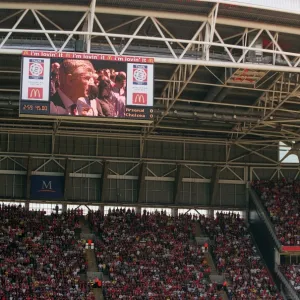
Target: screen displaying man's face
69	85
80	83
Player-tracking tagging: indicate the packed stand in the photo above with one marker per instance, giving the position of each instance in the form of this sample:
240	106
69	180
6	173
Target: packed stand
236	256
150	256
292	273
40	257
281	200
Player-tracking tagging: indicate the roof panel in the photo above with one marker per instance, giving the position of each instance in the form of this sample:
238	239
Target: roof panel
193	95
72	2
264	16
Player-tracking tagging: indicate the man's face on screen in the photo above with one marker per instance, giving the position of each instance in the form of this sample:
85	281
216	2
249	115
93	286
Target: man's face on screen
80	84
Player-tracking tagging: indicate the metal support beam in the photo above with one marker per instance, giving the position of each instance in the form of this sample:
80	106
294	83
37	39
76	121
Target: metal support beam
133	36
257	153
209	46
178	183
146	38
191	62
212	20
215	90
250	46
43	28
275	42
49	20
67	185
247	153
186	73
214	185
14	27
181	55
269	114
28	177
106	37
194	38
141	185
11	16
125	11
73	32
163	36
91	18
104	182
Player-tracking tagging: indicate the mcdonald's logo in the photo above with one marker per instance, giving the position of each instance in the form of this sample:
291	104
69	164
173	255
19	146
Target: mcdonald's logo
35	93
139	98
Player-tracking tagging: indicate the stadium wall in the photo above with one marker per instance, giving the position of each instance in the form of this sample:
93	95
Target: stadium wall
48	156
130	148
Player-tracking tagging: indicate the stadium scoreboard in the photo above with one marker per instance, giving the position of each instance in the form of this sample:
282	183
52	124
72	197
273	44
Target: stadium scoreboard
43	94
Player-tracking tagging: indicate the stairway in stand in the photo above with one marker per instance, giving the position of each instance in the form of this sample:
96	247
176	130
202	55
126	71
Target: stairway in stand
91	258
198	230
214	275
211	263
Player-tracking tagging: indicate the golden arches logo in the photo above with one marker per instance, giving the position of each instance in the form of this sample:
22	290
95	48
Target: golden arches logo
139	99
35	93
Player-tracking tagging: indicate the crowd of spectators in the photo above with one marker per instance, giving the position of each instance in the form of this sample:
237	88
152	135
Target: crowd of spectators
144	256
236	256
40	257
292	273
150	256
281	200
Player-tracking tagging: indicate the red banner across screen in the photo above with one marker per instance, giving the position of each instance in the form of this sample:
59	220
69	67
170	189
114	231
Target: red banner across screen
76	55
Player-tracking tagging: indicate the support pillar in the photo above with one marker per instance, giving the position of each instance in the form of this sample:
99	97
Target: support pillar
27	205
90	24
28	178
214	185
141	186
174	212
67	187
246	217
64	208
104	182
210	213
101	208
178	183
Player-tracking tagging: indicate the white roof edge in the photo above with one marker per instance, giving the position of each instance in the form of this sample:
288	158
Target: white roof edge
285	6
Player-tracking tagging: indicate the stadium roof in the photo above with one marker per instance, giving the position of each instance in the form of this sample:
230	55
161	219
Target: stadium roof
224	73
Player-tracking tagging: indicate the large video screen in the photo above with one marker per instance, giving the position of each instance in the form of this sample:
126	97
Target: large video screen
76	85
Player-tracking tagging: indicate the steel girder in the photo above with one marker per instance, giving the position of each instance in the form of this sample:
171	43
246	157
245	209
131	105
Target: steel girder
206	45
206	35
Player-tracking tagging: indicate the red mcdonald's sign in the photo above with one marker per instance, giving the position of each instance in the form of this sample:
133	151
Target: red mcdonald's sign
35	93
139	98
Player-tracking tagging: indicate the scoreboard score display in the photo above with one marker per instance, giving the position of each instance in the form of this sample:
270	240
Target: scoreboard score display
76	85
